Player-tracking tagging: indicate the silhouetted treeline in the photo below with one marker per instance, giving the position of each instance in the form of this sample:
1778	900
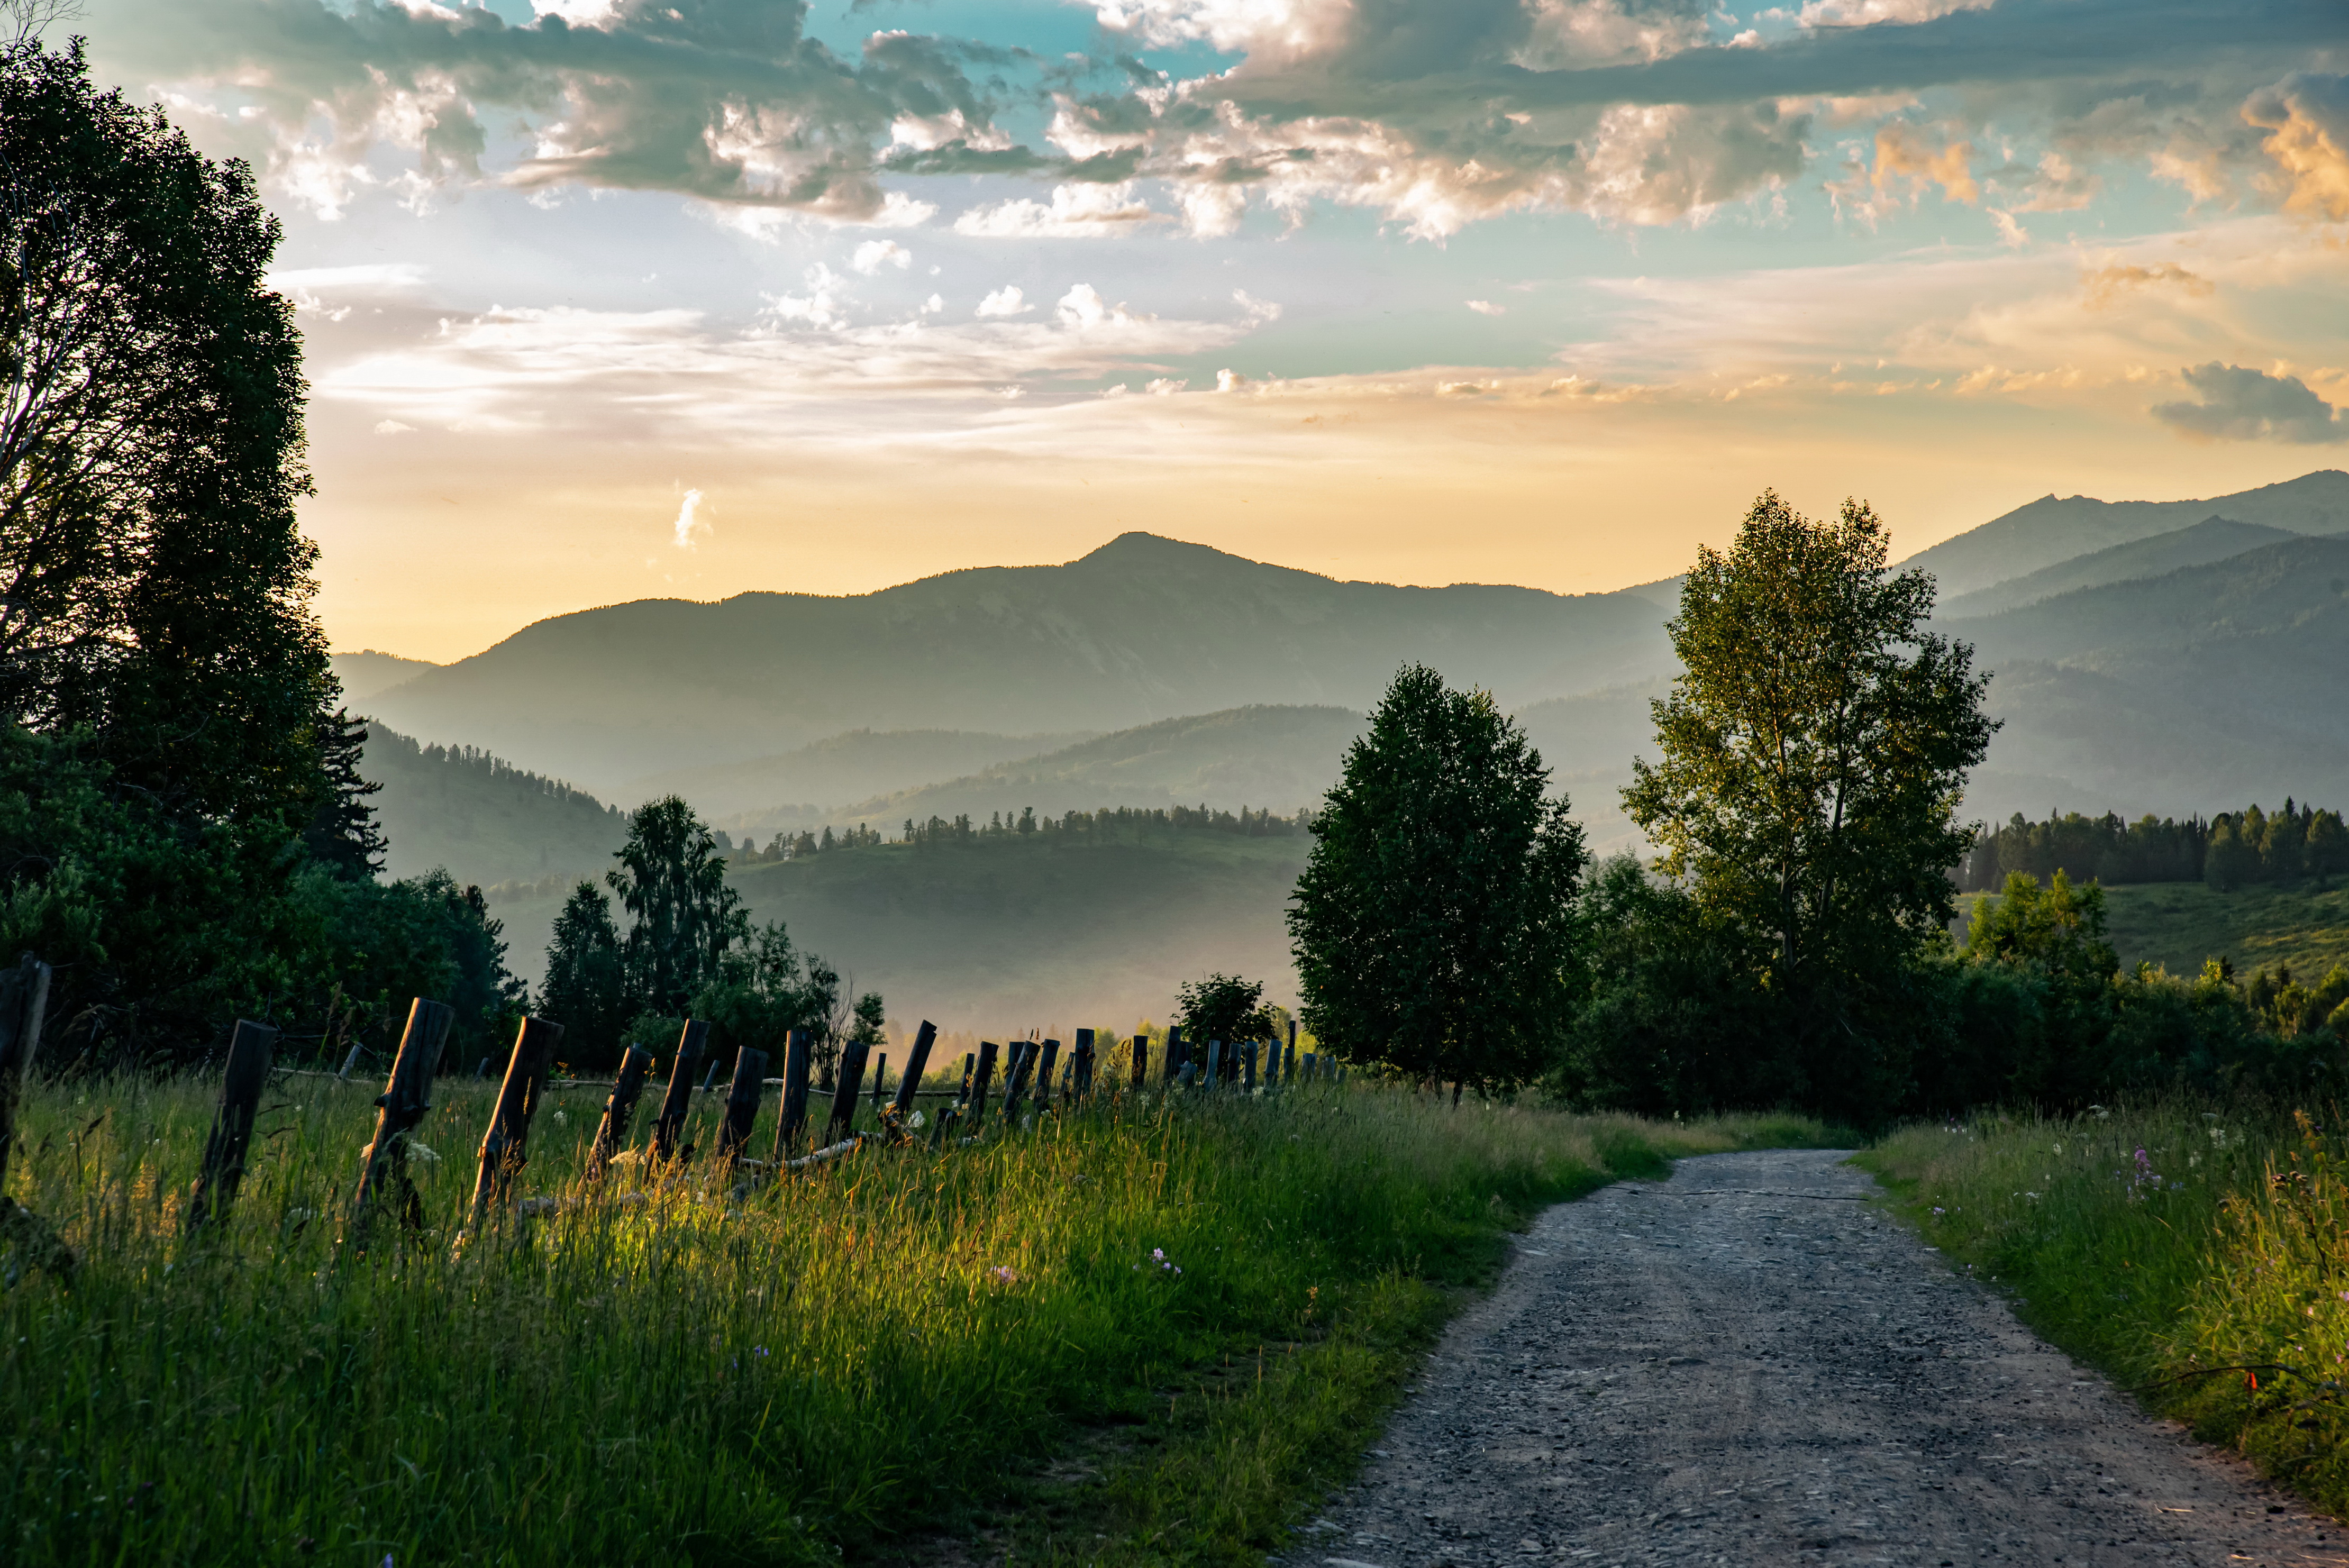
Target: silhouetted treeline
1121	824
2232	849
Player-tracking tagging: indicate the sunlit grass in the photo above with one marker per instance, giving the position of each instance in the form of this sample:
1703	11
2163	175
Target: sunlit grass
2162	1241
703	1374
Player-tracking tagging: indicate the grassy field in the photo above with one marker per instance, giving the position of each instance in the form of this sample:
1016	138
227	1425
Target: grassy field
2180	925
2163	1243
1164	1327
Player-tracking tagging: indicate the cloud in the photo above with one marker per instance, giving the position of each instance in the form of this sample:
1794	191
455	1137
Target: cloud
874	254
689	526
1075	213
2107	283
1005	300
2241	404
2308	116
1435	114
1487	307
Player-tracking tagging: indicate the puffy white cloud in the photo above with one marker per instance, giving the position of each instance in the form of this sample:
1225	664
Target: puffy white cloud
874	254
689	526
2239	404
1075	213
1005	300
1487	307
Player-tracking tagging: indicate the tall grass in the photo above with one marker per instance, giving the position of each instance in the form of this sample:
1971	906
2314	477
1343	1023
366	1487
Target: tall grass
2198	1251
694	1373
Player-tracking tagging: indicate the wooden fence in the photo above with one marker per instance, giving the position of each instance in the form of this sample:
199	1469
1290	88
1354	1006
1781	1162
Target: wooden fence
1036	1078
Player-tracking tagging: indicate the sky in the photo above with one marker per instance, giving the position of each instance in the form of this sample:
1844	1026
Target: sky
615	299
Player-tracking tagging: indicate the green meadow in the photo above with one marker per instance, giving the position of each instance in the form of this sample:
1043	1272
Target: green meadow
1166	1326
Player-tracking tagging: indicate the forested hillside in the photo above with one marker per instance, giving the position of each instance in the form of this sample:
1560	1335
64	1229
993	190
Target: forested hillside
481	819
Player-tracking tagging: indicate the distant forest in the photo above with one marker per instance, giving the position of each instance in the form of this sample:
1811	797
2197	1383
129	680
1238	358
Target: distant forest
1123	824
2233	850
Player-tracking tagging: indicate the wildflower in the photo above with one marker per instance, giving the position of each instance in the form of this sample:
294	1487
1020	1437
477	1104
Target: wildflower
1158	1254
1939	1211
559	1116
418	1151
915	1120
2059	1149
1003	1276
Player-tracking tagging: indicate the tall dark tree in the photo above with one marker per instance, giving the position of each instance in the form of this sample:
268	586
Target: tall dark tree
1812	755
156	586
585	989
342	834
1433	924
671	879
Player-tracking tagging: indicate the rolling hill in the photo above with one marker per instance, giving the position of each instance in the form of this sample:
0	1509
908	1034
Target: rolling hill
2048	531
2212	539
857	766
1140	630
482	821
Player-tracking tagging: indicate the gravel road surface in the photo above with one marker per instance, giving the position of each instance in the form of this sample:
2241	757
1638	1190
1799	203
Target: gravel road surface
1751	1365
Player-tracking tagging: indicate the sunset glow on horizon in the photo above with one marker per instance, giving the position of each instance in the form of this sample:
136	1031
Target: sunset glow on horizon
615	301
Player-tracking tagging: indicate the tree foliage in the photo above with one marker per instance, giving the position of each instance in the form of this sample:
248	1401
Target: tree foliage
671	879
1223	1007
1433	924
156	585
1812	755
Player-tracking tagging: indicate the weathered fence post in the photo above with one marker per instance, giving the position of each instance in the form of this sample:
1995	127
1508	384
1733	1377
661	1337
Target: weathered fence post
741	1106
24	1006
1140	1061
677	1103
952	1116
505	1147
1176	1054
880	1078
249	1051
1247	1066
1289	1060
1044	1074
1081	1066
1016	1081
401	1108
847	1086
636	1066
793	1117
1214	1061
987	1052
901	1109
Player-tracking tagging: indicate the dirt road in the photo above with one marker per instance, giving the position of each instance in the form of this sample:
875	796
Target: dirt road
1749	1365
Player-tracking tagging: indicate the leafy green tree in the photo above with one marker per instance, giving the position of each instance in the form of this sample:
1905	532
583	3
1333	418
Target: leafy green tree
1433	924
1813	752
150	456
2059	928
671	879
1223	1007
585	989
763	989
2233	859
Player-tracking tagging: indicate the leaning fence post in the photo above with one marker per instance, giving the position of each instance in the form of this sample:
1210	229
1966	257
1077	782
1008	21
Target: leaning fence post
1016	1080
504	1147
249	1049
1044	1074
636	1066
1289	1061
401	1109
902	1108
1140	1061
1081	1066
793	1117
1176	1054
677	1103
849	1085
880	1078
951	1118
741	1106
1247	1066
987	1051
